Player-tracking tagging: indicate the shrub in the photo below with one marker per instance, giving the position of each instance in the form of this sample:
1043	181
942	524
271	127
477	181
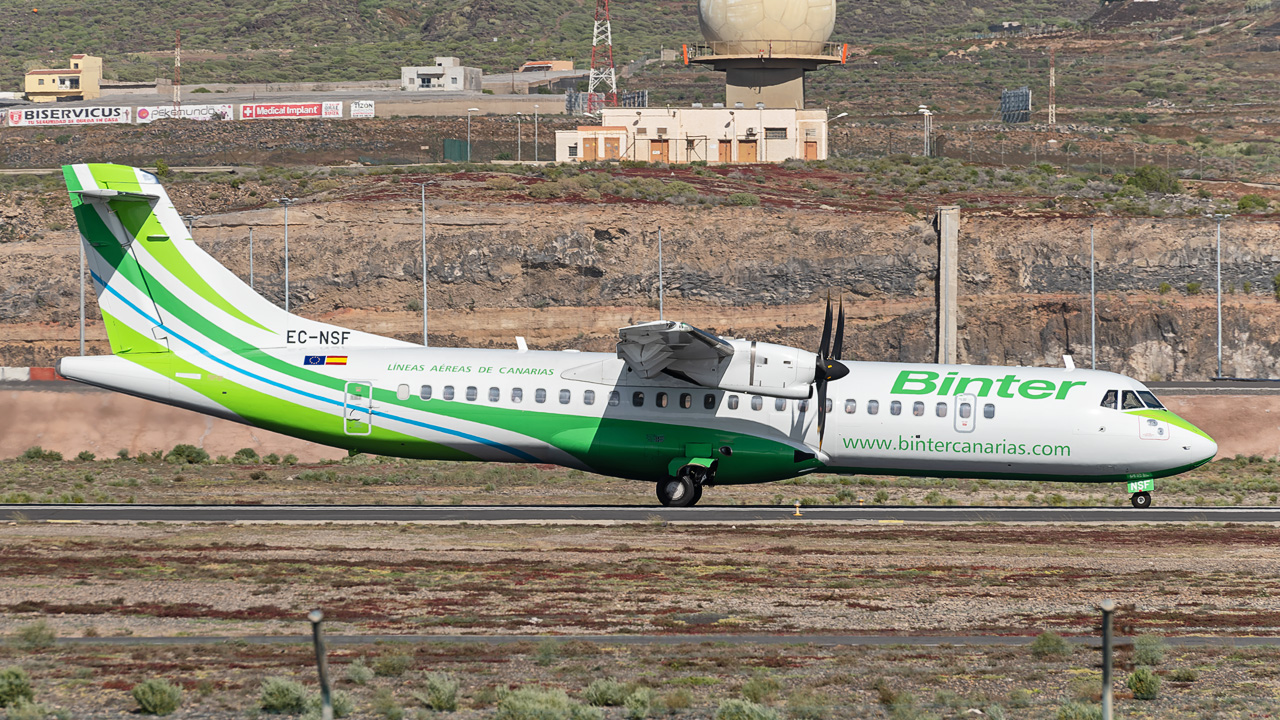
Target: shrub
539	704
157	697
1184	675
760	688
289	459
608	693
1050	645
546	190
1079	711
1144	683
384	704
36	452
638	704
86	456
995	712
678	700
441	692
1193	288
1148	650
392	664
1153	178
14	686
1252	201
186	455
808	706
162	168
245	456
36	636
744	199
744	710
281	695
340	701
358	673
25	709
501	183
1164	288
1020	698
271	459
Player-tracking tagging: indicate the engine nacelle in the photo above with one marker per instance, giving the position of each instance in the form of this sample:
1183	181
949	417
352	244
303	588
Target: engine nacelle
761	368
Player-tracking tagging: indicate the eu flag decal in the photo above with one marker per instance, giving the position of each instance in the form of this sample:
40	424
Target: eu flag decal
313	360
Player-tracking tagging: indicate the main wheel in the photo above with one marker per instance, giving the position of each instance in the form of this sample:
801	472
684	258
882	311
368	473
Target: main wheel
678	492
1141	500
697	494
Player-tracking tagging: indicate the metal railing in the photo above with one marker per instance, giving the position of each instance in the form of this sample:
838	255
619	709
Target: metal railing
766	49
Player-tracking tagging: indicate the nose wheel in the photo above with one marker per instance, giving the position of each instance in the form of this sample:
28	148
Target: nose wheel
1141	500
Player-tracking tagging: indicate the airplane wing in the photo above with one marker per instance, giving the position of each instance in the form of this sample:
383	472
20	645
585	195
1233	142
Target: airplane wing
662	345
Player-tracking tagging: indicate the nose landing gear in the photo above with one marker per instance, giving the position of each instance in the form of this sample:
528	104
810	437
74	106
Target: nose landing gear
1140	492
1141	500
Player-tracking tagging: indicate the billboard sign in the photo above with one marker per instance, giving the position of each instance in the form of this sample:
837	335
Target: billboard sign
1015	105
186	112
278	111
362	109
30	117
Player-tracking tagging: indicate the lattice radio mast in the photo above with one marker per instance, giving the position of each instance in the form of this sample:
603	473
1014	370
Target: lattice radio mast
177	75
602	68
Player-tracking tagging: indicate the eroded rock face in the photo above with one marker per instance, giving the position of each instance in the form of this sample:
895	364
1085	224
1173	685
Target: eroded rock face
746	272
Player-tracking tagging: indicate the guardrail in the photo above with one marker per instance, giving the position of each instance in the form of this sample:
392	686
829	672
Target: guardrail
838	52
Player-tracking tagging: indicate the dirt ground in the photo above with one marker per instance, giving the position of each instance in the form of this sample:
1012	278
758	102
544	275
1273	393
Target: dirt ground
555	582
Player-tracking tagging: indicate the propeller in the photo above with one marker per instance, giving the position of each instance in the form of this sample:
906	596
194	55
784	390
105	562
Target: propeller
829	365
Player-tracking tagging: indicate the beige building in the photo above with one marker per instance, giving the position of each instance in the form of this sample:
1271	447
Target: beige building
81	81
447	74
684	135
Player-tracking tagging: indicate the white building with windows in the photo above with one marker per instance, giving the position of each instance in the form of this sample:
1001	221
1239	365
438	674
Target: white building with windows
447	74
684	135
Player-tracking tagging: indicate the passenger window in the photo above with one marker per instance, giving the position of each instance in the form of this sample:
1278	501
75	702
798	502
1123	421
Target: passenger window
1109	400
615	398
733	402
942	409
895	408
588	397
988	411
1130	401
757	402
637	399
966	410
803	406
448	392
402	392
425	392
472	393
494	394
779	404
830	404
709	402
873	407
1150	400
517	395
850	406
565	397
540	395
917	409
660	400
686	400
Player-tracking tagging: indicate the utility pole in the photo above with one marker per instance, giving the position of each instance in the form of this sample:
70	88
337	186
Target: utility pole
469	111
424	265
286	201
1093	309
251	287
80	244
1053	82
535	133
177	74
661	313
519	138
1220	217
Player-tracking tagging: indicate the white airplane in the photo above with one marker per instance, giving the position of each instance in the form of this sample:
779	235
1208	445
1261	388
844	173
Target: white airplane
675	406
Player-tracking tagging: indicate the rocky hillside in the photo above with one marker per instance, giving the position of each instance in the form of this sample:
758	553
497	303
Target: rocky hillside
568	274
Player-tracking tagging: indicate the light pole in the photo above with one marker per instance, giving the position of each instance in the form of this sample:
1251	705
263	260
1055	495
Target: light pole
843	114
1093	312
1219	217
80	244
424	260
519	138
251	259
928	115
535	133
286	201
469	111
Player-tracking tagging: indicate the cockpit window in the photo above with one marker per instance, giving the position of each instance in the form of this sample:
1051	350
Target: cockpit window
1109	400
1130	401
1150	399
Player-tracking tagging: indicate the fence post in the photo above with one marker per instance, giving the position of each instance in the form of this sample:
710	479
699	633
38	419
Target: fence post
322	665
1108	607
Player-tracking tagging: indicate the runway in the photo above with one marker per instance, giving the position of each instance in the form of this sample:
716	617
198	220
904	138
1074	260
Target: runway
562	514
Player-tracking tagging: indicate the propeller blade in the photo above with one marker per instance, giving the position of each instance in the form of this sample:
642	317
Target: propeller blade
824	349
822	411
838	350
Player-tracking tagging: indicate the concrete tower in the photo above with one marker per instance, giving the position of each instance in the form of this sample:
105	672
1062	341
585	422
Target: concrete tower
765	47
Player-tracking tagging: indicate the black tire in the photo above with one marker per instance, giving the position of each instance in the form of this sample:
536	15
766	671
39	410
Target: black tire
697	494
1141	500
677	492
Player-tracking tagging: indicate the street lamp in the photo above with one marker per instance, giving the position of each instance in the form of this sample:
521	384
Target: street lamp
928	127
1093	312
469	111
535	133
839	116
424	259
286	202
1219	217
519	138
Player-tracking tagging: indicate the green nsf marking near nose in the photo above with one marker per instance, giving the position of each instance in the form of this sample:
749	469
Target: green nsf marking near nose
1148	485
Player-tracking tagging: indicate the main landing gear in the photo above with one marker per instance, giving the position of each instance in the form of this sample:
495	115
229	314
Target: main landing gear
1141	500
685	489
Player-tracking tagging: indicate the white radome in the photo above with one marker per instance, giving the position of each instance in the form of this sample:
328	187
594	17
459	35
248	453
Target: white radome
785	21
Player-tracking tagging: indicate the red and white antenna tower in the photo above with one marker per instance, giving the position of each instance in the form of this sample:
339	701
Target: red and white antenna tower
1053	82
177	74
602	68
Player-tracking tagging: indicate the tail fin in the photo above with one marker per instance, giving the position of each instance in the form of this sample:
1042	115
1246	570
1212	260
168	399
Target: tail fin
155	286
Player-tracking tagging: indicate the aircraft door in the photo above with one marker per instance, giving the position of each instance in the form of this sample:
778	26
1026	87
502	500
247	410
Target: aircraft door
357	408
966	412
